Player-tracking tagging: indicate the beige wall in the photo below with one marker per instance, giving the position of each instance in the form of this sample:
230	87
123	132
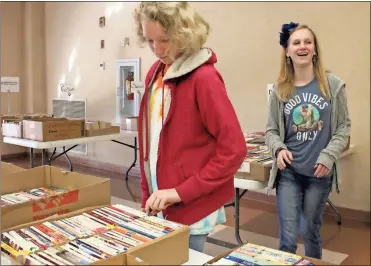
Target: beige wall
11	59
34	58
245	38
23	55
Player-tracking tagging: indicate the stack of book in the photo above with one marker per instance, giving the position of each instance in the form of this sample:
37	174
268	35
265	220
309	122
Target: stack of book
28	195
255	138
85	238
257	150
251	254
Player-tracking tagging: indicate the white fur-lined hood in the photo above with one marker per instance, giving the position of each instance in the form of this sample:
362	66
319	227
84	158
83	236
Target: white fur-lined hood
185	64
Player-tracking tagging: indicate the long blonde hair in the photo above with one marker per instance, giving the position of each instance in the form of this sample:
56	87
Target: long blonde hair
286	81
186	29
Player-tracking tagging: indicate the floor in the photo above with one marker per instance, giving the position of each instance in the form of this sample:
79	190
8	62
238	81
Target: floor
348	244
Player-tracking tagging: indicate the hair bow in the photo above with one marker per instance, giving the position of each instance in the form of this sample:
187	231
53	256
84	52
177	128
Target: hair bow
285	33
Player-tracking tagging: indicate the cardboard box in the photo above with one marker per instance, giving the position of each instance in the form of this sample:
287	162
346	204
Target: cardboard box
171	249
314	261
102	131
12	128
255	171
95	125
12	125
83	191
8	168
129	123
99	128
104	124
91	125
49	129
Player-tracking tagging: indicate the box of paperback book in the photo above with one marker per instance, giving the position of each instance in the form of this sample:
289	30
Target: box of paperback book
251	254
34	194
8	168
104	235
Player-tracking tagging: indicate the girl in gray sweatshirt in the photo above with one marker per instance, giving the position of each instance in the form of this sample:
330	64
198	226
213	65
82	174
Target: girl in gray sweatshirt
308	128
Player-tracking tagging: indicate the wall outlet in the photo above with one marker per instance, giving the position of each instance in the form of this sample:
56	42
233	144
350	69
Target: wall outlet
125	42
102	66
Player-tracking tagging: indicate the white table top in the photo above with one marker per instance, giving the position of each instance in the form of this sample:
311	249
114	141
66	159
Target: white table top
249	184
197	258
124	134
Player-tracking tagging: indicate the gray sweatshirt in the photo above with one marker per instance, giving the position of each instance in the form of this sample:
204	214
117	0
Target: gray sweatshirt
340	130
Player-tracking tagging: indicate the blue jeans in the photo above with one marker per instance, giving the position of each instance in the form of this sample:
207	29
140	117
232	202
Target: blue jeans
300	202
197	242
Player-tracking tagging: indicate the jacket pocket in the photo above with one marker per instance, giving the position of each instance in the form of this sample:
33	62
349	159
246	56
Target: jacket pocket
173	176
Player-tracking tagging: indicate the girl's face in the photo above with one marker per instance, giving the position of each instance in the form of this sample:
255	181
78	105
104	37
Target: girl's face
301	47
159	42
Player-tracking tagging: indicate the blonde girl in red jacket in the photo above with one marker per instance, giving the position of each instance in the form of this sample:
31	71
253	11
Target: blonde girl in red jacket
190	140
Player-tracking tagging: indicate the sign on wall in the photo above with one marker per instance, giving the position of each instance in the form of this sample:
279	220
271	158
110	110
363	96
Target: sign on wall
138	86
9	84
66	88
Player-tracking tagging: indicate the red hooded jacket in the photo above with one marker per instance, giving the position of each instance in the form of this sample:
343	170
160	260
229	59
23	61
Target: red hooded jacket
201	143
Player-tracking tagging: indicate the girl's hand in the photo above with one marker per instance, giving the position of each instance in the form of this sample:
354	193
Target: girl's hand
284	156
160	200
321	170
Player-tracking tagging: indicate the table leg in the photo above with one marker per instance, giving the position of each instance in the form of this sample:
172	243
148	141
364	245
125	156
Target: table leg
51	157
237	216
32	164
236	205
43	155
135	158
68	158
338	215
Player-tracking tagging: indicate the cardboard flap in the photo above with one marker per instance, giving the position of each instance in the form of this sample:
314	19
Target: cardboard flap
72	180
23	180
7	168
